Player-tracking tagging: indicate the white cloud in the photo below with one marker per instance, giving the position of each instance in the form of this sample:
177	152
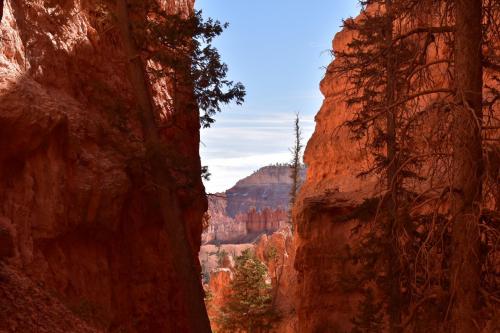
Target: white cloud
234	148
227	171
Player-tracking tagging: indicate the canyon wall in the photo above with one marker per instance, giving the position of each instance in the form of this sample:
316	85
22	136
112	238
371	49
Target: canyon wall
331	190
221	227
83	234
334	202
268	187
256	204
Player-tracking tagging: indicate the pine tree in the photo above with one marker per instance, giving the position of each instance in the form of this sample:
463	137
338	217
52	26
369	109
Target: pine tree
373	64
389	79
249	307
183	46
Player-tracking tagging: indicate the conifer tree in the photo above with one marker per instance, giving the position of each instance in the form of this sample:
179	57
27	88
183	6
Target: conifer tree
372	65
435	126
249	307
388	76
183	46
296	164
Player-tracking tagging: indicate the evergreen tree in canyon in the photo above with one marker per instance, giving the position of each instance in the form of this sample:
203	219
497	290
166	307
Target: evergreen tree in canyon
372	64
249	307
182	46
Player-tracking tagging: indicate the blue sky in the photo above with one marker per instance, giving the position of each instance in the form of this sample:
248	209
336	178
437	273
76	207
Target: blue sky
278	50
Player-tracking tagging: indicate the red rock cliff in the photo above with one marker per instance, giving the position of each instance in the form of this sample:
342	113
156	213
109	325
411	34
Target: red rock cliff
266	221
74	196
256	204
331	189
331	192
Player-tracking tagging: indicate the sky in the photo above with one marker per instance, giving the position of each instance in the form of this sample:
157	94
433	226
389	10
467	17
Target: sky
278	49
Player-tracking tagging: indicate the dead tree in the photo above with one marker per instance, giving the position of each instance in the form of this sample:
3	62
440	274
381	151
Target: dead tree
295	165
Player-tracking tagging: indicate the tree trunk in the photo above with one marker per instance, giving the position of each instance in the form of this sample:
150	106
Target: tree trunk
182	256
394	305
467	167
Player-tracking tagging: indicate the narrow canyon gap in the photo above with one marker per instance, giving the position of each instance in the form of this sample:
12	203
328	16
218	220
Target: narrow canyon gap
105	225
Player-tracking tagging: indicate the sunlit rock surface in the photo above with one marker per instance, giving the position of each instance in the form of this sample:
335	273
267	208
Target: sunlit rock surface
82	245
331	192
257	204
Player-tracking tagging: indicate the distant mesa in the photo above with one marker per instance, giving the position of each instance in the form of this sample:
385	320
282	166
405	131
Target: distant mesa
256	205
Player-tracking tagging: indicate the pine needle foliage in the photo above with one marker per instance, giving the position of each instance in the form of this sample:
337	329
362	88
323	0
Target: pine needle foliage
249	307
183	47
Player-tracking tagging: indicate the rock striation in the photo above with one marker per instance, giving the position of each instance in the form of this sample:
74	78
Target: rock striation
257	204
78	218
268	187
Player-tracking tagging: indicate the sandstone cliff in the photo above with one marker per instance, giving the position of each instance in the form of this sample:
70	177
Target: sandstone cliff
75	198
257	204
268	187
331	190
332	203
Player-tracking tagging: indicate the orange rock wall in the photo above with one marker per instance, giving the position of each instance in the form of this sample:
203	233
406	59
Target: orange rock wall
73	187
331	189
331	192
277	251
265	221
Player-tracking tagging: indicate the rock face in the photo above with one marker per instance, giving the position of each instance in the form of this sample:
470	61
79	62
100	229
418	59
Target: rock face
217	291
331	190
257	204
277	252
266	221
221	227
268	187
83	223
324	212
